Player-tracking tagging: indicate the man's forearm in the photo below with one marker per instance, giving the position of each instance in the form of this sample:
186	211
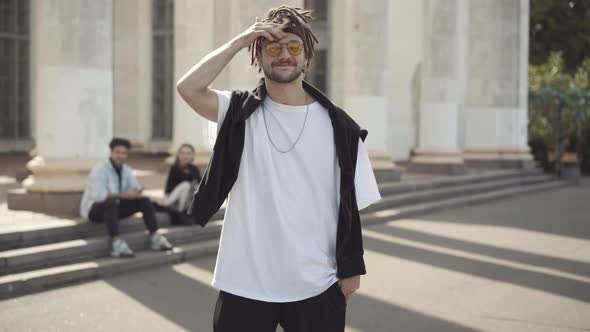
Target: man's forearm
193	87
201	75
129	194
116	195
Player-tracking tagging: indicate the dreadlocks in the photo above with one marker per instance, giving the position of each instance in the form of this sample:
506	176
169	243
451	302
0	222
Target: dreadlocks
297	22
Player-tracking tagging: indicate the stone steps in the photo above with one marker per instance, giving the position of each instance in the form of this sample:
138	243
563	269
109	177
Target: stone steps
66	230
441	193
385	215
78	229
408	186
44	266
61	252
47	255
42	279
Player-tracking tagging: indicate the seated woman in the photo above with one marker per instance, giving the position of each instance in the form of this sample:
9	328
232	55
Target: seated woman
183	179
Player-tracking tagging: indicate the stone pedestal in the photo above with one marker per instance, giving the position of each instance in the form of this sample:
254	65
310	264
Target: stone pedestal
496	115
57	175
437	161
71	93
499	158
361	72
441	88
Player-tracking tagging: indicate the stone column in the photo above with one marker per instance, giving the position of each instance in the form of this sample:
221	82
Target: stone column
406	24
441	84
194	35
360	73
72	99
72	92
496	99
133	71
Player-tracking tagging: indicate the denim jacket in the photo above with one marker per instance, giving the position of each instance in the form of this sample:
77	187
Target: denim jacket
102	181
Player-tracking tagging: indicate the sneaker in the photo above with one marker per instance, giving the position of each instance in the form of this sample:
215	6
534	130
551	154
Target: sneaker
121	249
159	242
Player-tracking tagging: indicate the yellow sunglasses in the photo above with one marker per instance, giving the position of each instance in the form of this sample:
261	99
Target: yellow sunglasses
274	49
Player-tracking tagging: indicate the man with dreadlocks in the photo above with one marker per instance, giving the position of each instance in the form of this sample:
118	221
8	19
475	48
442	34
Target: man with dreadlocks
296	171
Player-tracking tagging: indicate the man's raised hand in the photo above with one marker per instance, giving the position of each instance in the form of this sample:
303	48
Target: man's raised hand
270	31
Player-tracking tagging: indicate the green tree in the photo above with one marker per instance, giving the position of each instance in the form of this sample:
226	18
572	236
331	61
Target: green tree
559	109
559	26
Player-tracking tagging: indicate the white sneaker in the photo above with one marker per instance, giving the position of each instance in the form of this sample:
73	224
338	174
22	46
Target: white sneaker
121	249
159	242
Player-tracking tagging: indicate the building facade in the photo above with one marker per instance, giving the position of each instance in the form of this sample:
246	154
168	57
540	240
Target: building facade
441	84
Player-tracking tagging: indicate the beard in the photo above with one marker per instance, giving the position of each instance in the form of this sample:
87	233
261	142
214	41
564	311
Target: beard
281	78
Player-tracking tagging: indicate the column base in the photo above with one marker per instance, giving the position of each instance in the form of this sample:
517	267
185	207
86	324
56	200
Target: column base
511	159
384	168
53	203
53	187
436	162
63	175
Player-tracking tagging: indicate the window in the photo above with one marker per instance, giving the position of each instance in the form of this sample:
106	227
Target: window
319	9
163	68
318	70
14	69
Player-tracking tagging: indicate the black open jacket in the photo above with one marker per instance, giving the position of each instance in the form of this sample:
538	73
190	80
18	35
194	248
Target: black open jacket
223	167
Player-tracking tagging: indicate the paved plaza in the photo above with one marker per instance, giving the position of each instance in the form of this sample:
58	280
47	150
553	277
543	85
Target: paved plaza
518	264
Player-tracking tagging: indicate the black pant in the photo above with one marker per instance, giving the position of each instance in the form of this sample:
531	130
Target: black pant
322	313
111	210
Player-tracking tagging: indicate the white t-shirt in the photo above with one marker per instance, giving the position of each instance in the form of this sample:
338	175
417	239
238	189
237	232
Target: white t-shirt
278	240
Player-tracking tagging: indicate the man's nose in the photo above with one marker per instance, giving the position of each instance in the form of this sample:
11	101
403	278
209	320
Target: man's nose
284	52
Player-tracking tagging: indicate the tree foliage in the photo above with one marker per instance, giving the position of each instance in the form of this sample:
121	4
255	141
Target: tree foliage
559	26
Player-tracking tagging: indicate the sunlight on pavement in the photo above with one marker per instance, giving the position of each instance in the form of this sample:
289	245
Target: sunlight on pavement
198	274
386	213
500	236
7	179
472	256
471	301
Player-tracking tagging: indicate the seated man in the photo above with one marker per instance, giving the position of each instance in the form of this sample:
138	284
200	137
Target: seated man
112	192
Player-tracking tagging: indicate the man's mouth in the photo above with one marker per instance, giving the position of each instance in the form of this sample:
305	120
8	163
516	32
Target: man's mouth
284	65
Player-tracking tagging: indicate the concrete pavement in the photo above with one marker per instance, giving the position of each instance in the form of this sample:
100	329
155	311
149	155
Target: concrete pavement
521	264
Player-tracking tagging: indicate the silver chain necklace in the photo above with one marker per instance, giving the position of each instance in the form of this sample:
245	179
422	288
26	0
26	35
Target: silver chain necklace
298	137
